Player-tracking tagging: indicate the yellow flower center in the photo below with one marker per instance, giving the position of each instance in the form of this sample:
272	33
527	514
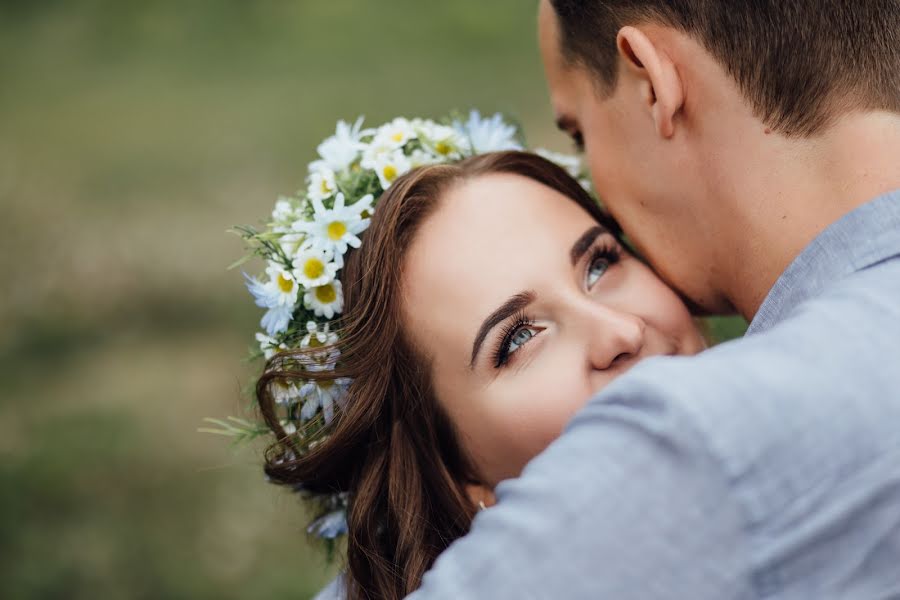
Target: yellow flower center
314	341
326	385
326	294
398	137
389	172
365	214
326	189
443	148
313	268
285	284
336	230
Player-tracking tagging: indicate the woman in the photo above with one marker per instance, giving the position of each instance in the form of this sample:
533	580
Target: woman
490	300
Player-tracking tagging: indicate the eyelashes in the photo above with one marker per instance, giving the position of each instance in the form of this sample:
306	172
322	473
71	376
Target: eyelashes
608	250
606	253
501	354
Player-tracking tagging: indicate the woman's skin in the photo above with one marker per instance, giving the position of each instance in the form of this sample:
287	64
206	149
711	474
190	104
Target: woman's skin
525	308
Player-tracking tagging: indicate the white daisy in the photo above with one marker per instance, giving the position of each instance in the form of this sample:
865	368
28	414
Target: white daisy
322	184
442	141
325	300
269	345
283	217
277	319
284	284
419	158
285	392
397	132
278	294
340	150
324	395
390	166
487	135
283	214
333	230
320	337
375	152
313	267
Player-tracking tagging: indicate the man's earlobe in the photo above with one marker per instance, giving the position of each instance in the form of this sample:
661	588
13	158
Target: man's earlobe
664	91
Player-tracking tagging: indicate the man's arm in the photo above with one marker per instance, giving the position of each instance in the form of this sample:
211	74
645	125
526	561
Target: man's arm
628	503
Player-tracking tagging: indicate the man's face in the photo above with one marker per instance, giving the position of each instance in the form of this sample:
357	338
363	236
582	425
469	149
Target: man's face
647	182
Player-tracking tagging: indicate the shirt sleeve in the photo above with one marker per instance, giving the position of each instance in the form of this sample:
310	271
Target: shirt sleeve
628	504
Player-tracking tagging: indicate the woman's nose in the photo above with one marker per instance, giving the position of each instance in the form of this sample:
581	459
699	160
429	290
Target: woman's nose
613	337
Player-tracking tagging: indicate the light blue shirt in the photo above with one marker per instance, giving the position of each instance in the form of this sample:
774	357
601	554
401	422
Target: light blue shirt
767	467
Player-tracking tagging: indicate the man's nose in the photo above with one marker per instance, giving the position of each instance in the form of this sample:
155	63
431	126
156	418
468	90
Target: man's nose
613	336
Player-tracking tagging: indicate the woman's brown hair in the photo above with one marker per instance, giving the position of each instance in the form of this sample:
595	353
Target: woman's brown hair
391	447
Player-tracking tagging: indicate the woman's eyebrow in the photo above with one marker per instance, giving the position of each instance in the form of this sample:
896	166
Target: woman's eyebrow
584	243
507	309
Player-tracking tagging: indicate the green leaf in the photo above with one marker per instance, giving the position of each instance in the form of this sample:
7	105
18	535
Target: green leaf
239	262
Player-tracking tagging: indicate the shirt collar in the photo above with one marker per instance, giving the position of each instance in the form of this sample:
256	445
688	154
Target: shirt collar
867	235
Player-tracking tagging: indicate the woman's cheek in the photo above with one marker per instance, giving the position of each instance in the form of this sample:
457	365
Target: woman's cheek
674	318
525	419
549	402
644	295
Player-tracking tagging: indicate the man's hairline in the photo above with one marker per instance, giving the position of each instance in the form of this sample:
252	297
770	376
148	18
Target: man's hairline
573	61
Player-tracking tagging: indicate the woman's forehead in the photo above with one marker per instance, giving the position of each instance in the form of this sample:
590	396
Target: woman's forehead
497	209
490	238
486	227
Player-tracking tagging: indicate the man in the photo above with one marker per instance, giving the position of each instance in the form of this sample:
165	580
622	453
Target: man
752	152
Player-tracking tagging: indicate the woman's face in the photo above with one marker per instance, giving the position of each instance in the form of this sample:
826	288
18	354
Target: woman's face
525	308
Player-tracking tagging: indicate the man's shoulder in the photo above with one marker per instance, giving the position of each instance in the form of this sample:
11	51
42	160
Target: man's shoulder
801	423
840	347
800	407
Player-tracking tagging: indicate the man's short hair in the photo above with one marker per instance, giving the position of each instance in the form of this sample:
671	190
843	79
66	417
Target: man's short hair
800	63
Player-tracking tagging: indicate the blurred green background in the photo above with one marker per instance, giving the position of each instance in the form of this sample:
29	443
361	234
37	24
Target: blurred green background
132	135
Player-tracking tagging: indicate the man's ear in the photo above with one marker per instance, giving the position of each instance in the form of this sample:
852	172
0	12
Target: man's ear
664	90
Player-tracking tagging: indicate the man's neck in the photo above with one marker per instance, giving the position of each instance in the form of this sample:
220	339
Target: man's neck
806	185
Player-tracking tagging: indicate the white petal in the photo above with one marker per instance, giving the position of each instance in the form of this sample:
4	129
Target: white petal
309	408
327	407
352	240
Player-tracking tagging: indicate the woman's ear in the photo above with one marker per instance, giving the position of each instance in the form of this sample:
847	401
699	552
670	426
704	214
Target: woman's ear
663	91
481	495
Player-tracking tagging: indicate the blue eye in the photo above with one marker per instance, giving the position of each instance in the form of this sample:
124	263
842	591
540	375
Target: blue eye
515	335
519	339
598	267
602	258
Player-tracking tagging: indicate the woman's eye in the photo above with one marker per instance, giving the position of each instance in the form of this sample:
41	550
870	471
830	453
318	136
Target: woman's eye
597	269
520	338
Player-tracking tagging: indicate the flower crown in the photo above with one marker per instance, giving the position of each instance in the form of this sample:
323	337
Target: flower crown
304	245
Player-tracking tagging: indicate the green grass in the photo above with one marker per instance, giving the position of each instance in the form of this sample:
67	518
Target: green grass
132	135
